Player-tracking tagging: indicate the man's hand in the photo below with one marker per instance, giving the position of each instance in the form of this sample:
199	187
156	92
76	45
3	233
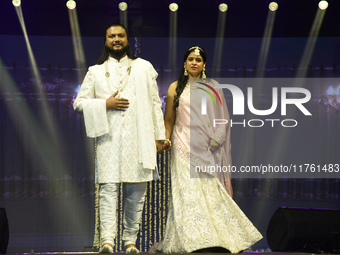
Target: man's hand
213	145
159	146
114	103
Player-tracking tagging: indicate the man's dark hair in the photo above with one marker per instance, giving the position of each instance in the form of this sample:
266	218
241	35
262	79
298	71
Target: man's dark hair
105	53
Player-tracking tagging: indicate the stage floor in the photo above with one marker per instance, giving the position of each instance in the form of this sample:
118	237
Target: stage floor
87	253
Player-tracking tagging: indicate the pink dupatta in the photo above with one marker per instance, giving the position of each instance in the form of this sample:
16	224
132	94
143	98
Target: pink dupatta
193	131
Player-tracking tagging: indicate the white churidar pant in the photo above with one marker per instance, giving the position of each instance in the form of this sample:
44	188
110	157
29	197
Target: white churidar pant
134	197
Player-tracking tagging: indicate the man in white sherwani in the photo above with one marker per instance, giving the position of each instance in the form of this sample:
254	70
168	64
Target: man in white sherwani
122	110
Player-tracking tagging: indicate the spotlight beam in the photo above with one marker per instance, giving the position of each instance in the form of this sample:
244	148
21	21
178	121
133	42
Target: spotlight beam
305	60
173	41
50	146
312	38
266	40
258	82
81	67
45	108
77	44
44	138
219	40
41	144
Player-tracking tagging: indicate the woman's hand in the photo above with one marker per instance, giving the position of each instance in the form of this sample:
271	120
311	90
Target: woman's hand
213	145
167	144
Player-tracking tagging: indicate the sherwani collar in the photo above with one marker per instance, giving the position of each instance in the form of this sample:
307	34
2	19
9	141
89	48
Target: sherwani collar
123	60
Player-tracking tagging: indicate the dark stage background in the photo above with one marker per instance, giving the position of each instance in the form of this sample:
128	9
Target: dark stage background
46	162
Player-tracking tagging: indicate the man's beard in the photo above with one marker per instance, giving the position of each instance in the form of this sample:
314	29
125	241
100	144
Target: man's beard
117	53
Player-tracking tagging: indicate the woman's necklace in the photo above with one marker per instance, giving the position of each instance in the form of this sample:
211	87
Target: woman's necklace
189	85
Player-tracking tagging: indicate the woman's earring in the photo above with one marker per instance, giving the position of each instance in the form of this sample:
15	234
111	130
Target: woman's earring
185	71
203	73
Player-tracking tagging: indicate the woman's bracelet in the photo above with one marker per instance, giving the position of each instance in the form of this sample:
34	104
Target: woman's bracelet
169	147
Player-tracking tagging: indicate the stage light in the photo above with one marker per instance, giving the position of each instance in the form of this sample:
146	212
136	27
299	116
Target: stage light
323	5
123	6
173	7
273	6
71	4
16	3
223	7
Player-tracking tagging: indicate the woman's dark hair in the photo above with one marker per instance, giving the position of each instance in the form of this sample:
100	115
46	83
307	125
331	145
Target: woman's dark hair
182	79
105	53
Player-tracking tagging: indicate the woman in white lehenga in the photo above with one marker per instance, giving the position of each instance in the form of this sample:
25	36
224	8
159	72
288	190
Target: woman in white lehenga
202	213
